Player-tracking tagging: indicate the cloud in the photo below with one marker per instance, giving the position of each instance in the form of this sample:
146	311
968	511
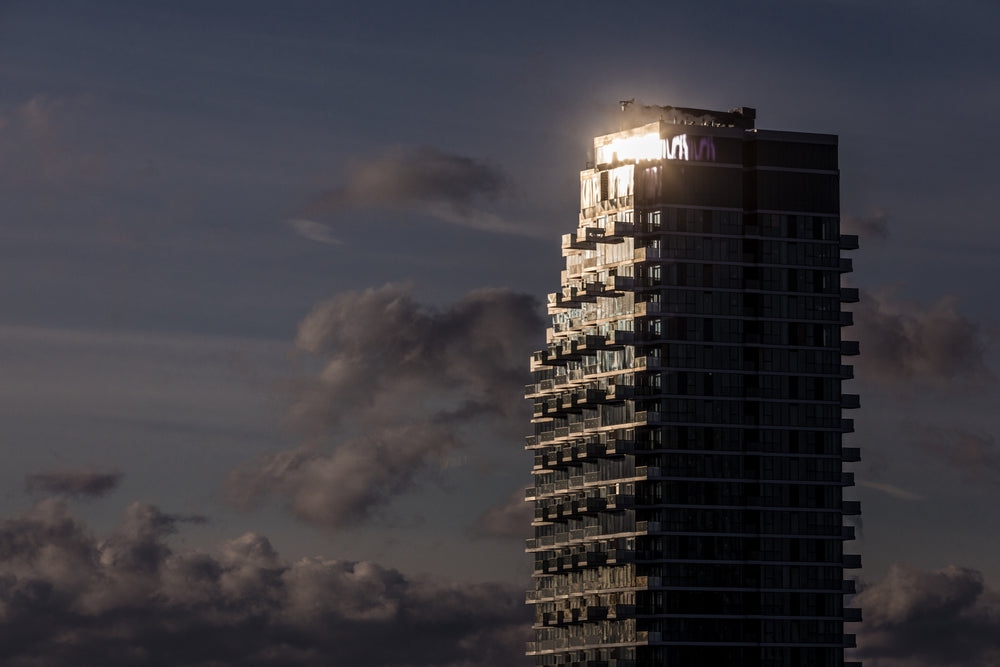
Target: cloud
976	456
312	230
875	226
512	519
902	342
69	598
37	152
891	490
915	618
401	387
73	482
339	487
424	180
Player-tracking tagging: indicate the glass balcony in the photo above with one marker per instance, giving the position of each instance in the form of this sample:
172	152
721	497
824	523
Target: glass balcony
646	255
849	242
849	295
850	401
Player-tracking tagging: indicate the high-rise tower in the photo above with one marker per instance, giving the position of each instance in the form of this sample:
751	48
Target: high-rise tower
688	457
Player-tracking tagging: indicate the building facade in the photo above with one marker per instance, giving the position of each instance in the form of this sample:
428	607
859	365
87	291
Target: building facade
688	411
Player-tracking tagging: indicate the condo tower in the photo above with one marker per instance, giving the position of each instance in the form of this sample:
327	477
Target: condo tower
688	411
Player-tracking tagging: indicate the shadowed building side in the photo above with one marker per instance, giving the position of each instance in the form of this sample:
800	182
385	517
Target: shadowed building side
688	458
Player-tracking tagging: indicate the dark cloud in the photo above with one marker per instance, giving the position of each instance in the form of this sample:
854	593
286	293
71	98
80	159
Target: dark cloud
73	482
67	598
875	226
915	618
902	342
512	519
424	180
976	456
401	387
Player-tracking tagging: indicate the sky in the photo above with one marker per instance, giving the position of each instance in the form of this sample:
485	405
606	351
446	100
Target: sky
270	274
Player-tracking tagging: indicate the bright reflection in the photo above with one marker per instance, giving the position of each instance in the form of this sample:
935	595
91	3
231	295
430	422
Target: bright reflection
651	147
641	147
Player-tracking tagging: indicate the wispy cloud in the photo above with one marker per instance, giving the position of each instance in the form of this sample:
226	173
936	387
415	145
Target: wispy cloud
73	482
426	181
976	456
890	489
872	227
312	230
36	150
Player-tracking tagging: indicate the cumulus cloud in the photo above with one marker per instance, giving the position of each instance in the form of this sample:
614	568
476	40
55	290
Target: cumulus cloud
69	598
512	519
915	618
73	482
453	188
902	342
975	455
875	226
401	387
340	486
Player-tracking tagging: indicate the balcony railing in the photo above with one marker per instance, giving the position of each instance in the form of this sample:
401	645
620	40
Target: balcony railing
849	295
618	446
646	255
620	392
644	308
649	363
850	348
850	401
849	242
620	338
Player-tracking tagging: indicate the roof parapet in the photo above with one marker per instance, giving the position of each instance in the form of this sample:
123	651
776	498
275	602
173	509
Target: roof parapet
635	115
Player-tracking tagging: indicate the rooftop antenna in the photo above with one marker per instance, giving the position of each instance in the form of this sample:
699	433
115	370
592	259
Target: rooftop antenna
625	103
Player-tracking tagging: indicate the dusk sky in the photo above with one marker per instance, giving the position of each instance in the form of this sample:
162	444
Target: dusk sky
271	274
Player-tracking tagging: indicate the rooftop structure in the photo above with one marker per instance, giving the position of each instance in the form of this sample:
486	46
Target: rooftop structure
688	427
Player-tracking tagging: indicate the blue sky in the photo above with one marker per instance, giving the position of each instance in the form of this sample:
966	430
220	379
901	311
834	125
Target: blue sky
196	194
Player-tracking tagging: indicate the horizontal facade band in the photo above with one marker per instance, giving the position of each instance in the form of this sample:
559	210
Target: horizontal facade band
532	599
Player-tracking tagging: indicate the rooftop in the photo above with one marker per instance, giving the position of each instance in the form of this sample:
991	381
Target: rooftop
635	115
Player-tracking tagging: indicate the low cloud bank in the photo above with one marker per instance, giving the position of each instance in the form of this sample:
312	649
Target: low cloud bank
69	598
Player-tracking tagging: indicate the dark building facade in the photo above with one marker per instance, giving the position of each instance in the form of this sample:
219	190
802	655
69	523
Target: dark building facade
688	411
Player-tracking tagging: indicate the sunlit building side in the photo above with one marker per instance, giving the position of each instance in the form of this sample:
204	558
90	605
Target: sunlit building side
688	430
